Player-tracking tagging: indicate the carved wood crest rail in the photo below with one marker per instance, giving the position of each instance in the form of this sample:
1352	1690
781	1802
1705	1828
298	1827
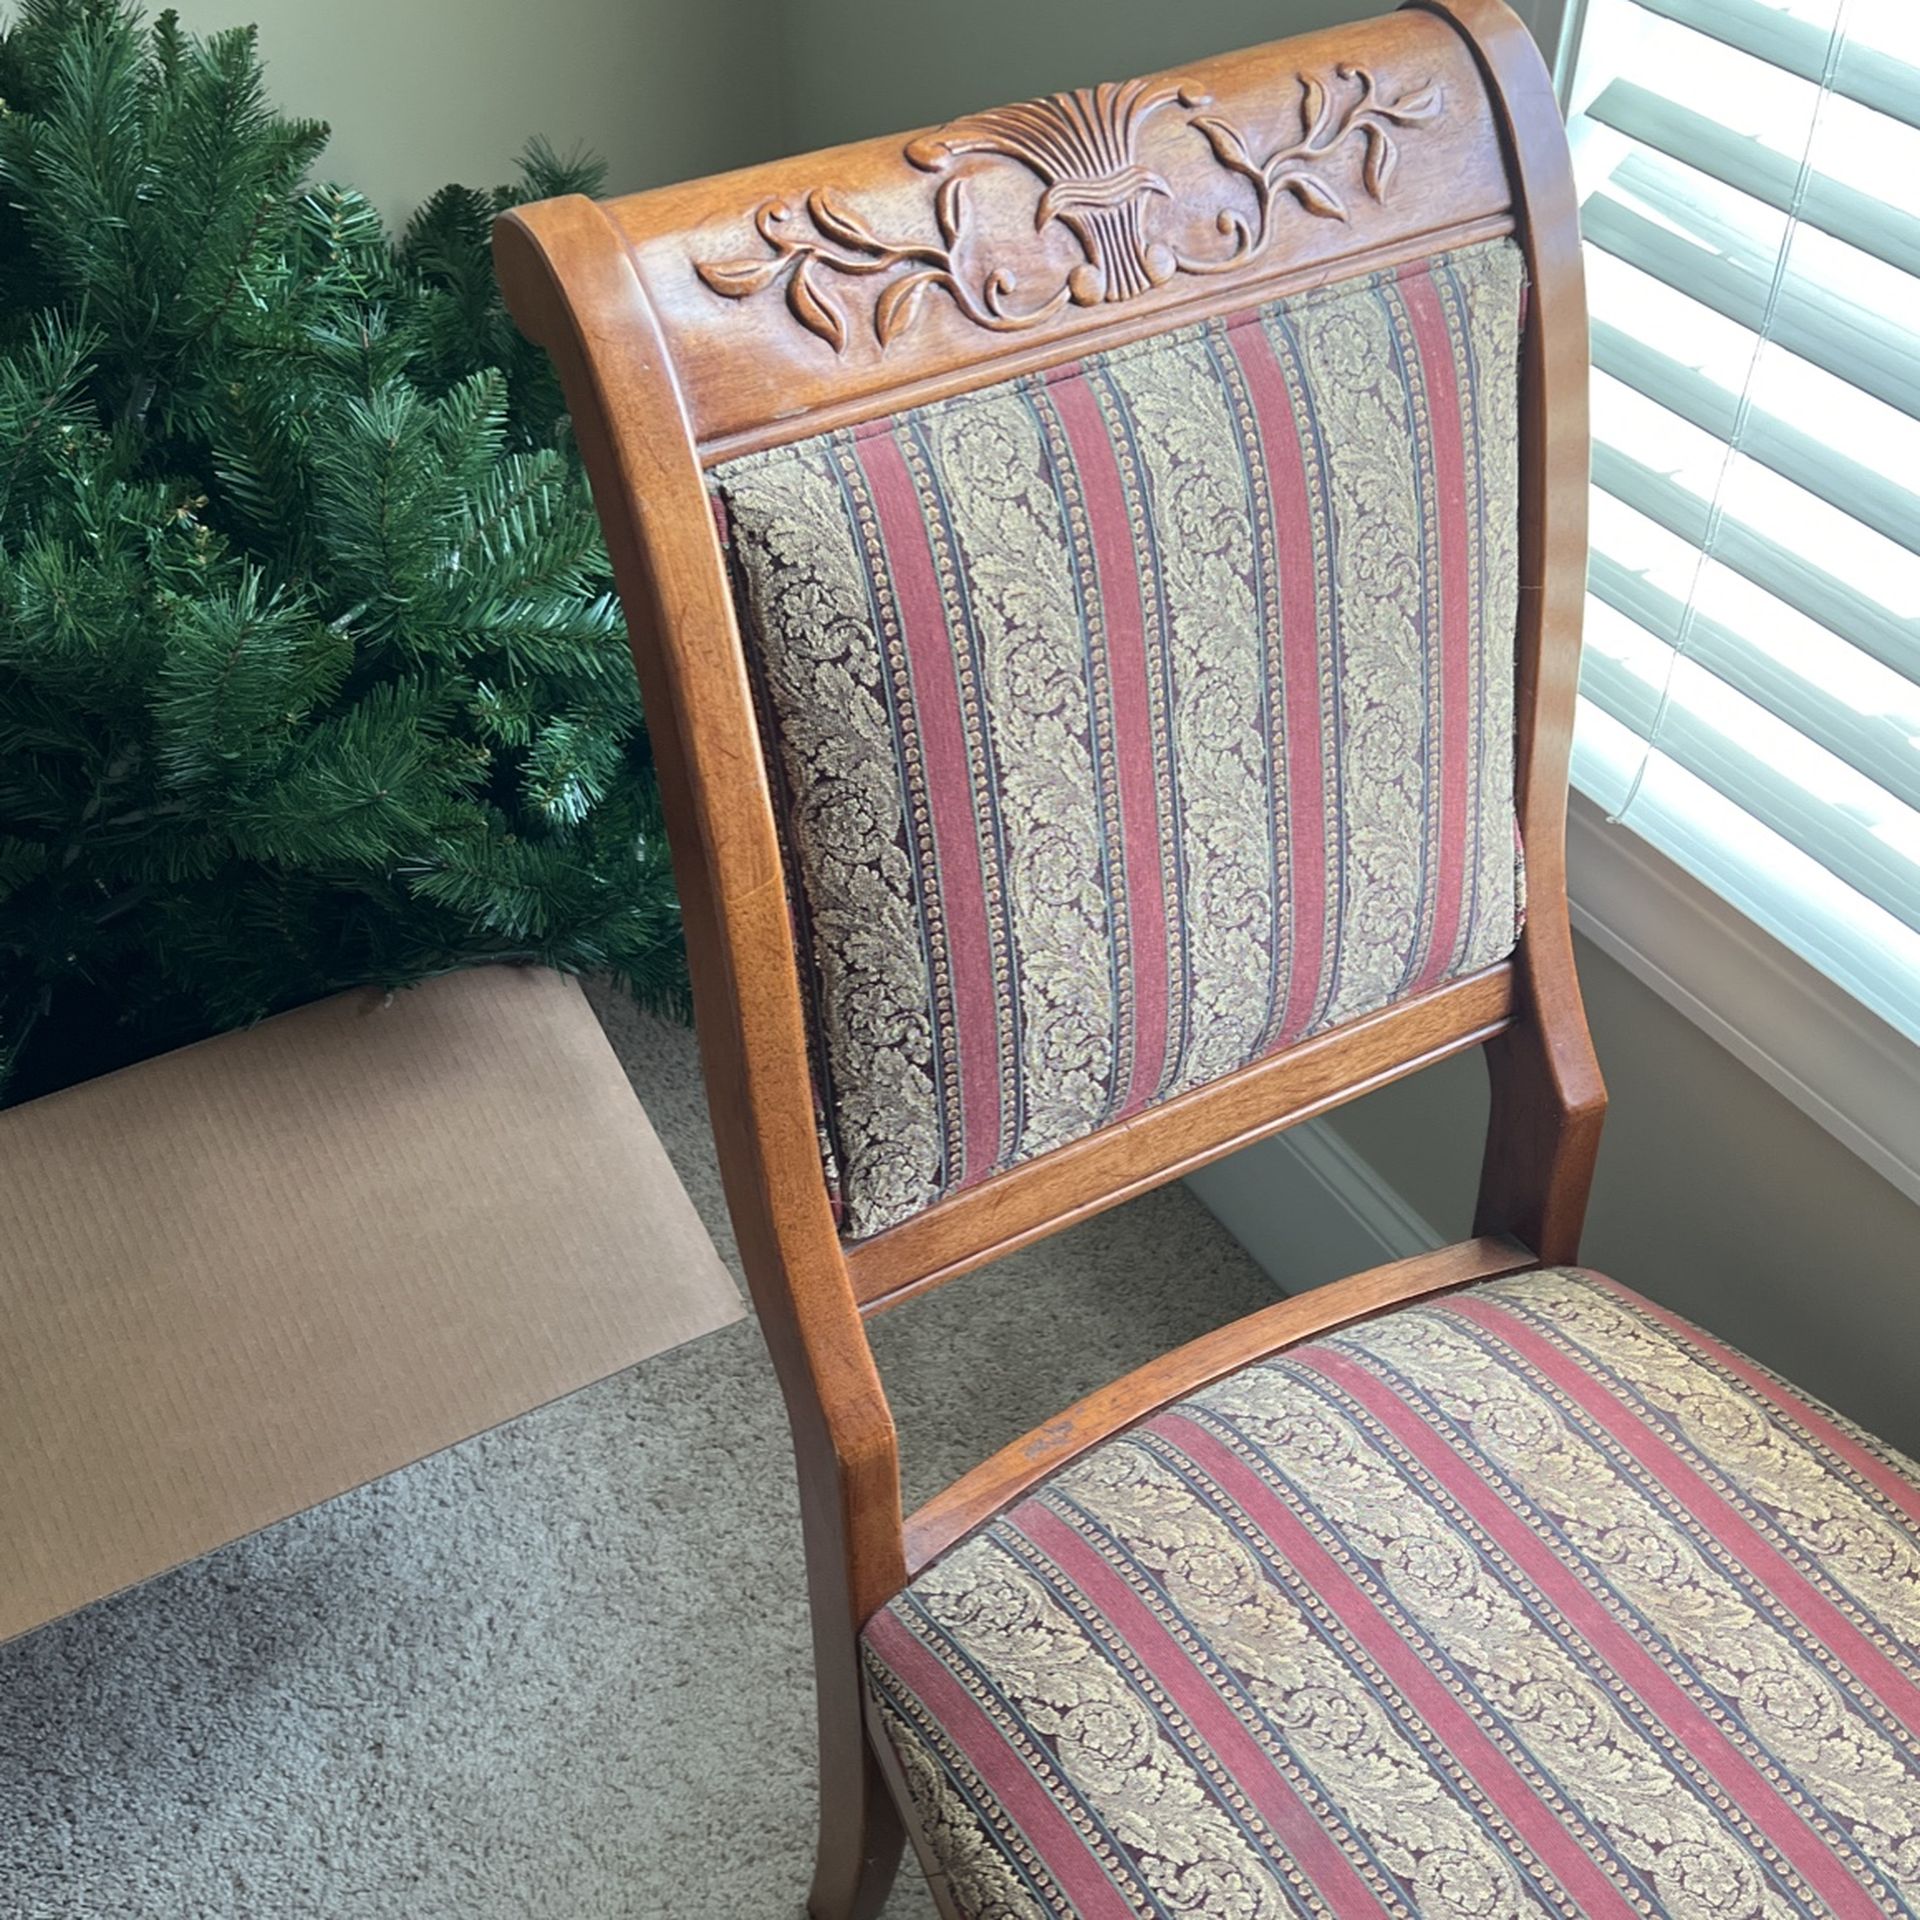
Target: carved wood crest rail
1084	149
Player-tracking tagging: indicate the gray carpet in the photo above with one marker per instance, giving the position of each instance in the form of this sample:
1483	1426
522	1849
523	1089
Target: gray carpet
558	1673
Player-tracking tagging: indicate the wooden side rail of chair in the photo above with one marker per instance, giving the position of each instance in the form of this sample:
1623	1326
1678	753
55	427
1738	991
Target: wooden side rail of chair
997	1482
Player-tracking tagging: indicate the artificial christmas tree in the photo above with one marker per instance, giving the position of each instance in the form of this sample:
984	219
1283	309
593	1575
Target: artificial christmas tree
310	670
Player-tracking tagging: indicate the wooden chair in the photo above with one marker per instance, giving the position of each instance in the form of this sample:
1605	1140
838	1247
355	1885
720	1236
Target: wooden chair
787	382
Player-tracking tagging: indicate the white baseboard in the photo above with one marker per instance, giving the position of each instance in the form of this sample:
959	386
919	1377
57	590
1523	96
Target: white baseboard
1309	1209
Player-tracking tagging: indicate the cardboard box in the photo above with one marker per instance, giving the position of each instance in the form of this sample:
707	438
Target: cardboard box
245	1277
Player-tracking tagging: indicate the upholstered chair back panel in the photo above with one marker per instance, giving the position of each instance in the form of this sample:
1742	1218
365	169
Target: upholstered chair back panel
1137	718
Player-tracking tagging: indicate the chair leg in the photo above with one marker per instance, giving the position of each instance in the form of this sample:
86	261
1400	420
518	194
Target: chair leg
861	1837
1543	1128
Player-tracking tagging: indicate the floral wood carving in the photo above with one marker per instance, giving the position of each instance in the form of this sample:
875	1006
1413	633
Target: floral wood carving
1083	148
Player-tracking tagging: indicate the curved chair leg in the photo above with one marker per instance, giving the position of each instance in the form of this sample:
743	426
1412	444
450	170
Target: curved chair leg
861	1838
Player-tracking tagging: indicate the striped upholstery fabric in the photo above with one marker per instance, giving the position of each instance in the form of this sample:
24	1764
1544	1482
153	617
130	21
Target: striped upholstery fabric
1139	718
1528	1600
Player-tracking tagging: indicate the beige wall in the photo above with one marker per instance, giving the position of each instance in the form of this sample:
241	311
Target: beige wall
1715	1196
861	67
420	92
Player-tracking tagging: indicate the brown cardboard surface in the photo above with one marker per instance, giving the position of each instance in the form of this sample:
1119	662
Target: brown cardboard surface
240	1279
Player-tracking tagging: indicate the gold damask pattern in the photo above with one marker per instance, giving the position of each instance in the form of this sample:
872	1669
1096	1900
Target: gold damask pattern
1142	717
1529	1600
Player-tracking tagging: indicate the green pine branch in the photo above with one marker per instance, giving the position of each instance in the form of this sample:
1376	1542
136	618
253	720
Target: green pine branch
311	672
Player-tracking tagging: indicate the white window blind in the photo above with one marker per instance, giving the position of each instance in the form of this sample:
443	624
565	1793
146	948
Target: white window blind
1749	175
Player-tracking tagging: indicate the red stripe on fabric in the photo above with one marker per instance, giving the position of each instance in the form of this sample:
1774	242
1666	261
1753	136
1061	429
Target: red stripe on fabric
1040	1816
1300	763
1491	1771
1142	831
1292	1822
1707	1505
1435	344
1885	1479
1669	1702
933	653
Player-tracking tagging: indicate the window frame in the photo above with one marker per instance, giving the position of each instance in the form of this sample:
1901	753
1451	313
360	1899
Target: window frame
1807	1036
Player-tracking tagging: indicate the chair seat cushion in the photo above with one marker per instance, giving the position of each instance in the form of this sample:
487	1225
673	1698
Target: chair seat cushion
1527	1599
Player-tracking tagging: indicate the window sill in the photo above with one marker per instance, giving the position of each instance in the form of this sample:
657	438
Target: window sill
1809	1038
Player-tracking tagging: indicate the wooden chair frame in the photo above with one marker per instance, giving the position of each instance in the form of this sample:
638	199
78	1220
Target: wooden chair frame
669	369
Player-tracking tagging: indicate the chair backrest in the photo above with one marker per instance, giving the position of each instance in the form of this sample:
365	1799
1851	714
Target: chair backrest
1137	717
1105	579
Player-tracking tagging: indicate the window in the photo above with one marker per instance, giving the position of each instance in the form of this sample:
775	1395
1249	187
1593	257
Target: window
1749	176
